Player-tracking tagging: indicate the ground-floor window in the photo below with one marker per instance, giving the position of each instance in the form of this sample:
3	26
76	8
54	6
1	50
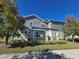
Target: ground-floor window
40	34
37	34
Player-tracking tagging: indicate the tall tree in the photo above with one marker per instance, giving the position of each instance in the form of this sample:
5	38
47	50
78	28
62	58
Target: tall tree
71	27
9	13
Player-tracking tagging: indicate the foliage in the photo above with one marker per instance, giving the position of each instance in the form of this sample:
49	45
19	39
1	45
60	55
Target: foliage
76	40
71	27
56	42
10	23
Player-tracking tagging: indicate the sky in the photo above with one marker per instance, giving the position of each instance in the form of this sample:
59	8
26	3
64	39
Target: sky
49	9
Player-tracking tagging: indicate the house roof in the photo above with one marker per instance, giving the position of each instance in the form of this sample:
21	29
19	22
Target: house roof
30	17
48	21
33	16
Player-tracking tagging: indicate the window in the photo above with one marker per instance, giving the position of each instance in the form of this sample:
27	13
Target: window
30	23
43	26
37	34
26	32
29	32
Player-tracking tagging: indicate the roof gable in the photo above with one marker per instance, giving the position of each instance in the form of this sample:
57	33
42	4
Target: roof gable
33	16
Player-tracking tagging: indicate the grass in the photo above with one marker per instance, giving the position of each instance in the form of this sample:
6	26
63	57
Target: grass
2	41
40	48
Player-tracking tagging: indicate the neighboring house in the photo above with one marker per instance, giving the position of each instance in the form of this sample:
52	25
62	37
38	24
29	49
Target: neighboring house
40	29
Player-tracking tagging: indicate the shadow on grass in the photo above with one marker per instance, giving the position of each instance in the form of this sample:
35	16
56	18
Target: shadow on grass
45	54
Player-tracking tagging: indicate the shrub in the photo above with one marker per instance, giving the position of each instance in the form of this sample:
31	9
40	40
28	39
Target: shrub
50	42
17	43
61	42
76	40
42	42
20	43
32	43
56	42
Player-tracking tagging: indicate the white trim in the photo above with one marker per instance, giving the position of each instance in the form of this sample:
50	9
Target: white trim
36	16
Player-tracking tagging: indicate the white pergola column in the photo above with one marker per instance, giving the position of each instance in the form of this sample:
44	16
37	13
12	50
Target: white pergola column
57	38
33	35
50	35
46	35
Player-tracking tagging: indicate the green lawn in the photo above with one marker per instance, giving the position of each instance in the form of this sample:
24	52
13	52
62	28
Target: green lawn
40	48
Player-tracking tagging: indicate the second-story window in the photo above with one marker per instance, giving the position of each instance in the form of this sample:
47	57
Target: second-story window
30	23
43	26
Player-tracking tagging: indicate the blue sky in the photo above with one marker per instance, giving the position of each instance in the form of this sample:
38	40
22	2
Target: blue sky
49	9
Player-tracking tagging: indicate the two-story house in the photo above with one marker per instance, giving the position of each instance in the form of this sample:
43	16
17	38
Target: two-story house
54	30
43	29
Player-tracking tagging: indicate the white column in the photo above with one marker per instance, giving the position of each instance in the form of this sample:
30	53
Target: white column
50	35
33	35
46	35
57	38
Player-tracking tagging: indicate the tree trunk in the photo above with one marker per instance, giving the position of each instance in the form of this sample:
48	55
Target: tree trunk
7	38
73	38
65	37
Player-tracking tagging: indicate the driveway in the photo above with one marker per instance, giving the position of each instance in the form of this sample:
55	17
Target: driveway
56	54
70	53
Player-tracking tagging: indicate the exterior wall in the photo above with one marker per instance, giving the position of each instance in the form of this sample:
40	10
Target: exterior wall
59	35
49	25
35	23
48	35
54	35
56	26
